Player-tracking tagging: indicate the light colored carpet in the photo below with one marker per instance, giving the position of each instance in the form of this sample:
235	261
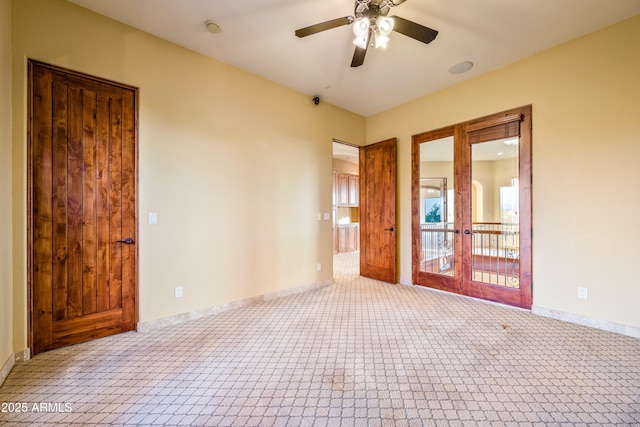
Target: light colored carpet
358	353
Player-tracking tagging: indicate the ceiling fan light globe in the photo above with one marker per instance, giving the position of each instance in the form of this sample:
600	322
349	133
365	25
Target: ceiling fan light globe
361	42
384	25
381	41
361	27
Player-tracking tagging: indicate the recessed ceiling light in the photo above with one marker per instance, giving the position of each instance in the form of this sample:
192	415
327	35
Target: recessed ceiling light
212	27
461	67
500	153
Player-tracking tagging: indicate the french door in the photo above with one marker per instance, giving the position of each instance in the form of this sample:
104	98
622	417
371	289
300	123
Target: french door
472	208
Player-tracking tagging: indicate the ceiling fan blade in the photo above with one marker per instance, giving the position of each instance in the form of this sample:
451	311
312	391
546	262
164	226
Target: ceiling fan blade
358	56
415	31
323	26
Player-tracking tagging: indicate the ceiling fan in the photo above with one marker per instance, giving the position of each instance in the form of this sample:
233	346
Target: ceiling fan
372	27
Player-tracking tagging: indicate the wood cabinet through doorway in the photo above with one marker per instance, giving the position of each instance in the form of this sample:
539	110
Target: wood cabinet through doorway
348	237
348	188
346	227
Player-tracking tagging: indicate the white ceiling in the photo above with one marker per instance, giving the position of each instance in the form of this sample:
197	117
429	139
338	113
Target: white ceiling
258	36
345	152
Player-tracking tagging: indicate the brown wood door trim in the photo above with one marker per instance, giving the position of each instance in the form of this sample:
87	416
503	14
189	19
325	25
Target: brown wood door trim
55	135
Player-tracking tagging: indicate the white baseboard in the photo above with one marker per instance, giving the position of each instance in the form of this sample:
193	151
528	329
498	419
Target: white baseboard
17	357
604	325
7	367
23	356
177	319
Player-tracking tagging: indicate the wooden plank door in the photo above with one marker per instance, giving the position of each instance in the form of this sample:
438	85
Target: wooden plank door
82	204
378	211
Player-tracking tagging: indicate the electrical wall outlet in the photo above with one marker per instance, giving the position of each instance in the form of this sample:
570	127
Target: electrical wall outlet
177	292
583	293
319	266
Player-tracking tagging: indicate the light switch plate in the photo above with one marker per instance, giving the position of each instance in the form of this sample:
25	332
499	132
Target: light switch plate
153	217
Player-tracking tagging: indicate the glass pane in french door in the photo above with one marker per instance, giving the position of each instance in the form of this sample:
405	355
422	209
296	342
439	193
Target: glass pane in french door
495	244
437	207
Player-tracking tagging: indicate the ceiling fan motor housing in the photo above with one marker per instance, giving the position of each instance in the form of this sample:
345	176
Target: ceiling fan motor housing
372	11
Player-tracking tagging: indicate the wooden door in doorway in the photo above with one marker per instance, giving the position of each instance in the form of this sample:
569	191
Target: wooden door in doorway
378	211
472	208
82	204
496	218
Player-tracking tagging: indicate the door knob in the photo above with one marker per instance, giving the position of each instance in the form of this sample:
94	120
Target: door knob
127	241
467	232
390	229
457	231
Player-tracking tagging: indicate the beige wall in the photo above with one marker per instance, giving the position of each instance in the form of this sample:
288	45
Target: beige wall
223	151
585	118
236	167
6	293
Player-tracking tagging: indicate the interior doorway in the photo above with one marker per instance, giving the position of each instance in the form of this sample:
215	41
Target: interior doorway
472	208
346	210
